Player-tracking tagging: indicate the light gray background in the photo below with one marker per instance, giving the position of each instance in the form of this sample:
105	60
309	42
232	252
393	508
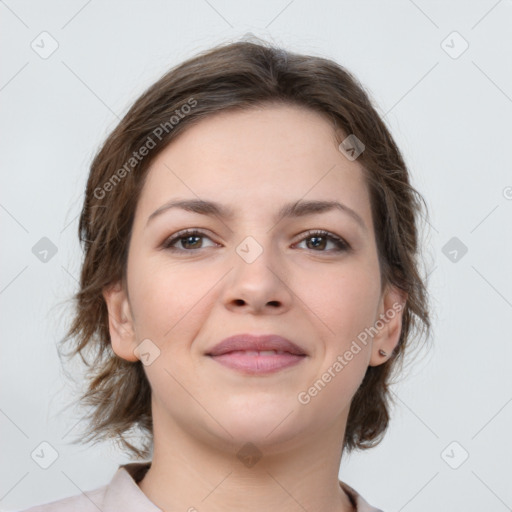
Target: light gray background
451	118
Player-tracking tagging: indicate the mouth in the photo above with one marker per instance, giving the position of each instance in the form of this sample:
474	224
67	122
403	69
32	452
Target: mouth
257	354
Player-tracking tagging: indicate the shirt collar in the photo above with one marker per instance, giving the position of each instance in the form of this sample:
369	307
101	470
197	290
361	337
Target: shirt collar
123	492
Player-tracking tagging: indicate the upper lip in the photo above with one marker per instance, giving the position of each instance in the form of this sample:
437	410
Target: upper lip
250	342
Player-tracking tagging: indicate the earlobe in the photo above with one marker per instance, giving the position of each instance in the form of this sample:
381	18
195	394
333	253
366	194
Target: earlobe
120	322
390	323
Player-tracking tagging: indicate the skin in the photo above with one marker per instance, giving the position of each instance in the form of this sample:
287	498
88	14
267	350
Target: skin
186	302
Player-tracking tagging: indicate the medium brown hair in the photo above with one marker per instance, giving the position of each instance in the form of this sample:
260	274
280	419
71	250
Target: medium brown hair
234	76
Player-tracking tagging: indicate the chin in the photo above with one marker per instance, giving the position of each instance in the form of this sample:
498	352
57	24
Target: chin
262	426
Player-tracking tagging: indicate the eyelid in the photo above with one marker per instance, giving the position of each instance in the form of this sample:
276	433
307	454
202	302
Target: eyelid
341	243
175	237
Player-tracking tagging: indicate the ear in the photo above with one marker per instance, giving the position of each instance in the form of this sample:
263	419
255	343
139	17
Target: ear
120	322
388	324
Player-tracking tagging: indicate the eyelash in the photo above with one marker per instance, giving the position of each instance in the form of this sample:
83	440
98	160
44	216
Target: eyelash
339	242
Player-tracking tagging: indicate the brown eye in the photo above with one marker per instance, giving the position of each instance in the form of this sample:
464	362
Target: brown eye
189	239
320	239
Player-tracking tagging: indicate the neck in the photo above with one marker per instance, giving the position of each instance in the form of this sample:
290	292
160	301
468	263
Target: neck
190	474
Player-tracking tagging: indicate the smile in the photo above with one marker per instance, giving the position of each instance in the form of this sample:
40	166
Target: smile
258	361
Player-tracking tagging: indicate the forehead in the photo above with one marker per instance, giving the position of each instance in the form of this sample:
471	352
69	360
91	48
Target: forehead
256	160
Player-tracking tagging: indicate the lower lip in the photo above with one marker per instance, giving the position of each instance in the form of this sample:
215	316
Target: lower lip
257	364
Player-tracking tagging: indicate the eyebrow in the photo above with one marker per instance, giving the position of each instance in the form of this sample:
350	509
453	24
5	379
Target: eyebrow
298	208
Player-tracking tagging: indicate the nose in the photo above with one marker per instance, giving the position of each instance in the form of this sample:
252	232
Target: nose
257	283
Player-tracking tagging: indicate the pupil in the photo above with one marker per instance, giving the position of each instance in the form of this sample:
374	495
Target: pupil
317	238
190	238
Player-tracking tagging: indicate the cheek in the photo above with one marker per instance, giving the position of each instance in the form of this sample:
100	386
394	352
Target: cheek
346	299
346	302
165	298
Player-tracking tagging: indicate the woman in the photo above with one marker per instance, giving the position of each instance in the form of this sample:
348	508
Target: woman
250	283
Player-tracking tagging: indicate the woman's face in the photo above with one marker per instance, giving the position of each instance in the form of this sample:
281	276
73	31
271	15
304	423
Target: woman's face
253	273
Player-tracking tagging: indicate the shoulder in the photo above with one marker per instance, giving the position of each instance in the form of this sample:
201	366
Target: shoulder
88	501
121	494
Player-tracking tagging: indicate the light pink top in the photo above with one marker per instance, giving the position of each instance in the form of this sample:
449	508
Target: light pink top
123	494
